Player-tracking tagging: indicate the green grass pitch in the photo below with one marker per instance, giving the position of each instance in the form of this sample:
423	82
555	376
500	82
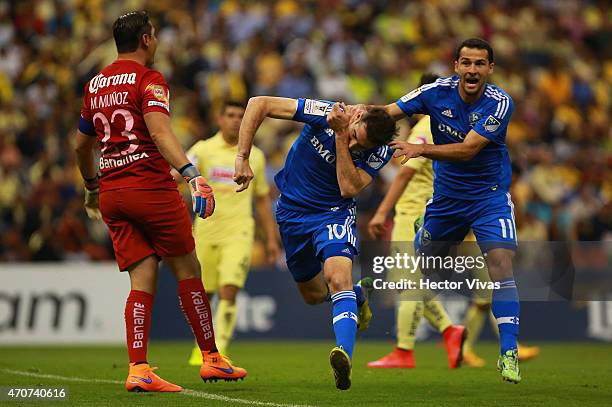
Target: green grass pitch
298	373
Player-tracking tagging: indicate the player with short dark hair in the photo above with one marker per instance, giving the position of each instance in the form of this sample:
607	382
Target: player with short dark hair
469	119
126	109
334	158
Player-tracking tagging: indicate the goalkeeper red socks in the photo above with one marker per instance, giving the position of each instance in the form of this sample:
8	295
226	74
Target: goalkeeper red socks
138	309
196	308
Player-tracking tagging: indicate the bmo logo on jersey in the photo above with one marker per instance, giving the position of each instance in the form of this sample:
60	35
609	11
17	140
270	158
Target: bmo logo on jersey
323	152
445	128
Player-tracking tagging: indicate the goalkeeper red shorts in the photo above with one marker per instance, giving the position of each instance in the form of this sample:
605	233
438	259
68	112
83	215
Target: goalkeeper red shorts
146	222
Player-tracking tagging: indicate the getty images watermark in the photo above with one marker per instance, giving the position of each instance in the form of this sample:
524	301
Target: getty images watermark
403	271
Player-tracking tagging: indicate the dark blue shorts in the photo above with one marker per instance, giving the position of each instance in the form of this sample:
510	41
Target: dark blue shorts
448	220
310	238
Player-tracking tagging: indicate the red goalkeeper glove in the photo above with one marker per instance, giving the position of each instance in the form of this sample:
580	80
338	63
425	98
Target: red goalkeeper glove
201	193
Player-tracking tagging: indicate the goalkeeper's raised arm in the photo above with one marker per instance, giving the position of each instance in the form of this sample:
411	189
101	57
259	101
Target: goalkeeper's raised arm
258	108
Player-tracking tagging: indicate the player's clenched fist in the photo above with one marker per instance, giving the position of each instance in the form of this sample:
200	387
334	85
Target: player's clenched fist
201	193
243	174
338	119
408	150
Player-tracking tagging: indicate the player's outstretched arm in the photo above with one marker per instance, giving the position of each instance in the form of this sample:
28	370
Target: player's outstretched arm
376	226
463	151
392	110
258	108
168	145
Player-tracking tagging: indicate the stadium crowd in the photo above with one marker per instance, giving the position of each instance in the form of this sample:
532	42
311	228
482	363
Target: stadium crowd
553	58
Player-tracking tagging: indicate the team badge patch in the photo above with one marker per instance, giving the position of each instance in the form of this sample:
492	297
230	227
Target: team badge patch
411	95
473	118
159	92
425	237
316	107
491	124
374	161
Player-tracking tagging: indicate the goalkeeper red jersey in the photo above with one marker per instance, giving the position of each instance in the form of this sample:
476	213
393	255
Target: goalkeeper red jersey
115	103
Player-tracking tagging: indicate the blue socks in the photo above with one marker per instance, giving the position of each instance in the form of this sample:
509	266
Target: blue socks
359	295
506	308
345	320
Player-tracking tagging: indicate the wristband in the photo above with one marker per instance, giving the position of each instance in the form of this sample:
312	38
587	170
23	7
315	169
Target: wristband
189	171
92	183
92	179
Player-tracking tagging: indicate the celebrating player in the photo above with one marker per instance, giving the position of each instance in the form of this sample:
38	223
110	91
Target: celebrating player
469	119
226	257
335	157
126	109
409	192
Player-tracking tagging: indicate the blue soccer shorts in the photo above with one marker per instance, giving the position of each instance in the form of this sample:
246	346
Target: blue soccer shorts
448	220
311	238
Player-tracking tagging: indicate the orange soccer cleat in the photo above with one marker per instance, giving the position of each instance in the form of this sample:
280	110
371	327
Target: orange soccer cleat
142	379
218	367
454	337
527	352
472	359
397	359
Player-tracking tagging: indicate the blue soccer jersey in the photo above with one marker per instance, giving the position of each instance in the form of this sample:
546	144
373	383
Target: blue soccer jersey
489	172
308	181
315	222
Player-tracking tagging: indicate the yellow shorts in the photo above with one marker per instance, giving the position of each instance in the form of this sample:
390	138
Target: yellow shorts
403	226
225	263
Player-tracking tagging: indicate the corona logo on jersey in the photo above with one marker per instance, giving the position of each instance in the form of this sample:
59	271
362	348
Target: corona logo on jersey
100	81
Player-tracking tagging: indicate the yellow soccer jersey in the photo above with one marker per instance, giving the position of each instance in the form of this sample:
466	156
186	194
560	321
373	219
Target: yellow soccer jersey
233	217
420	187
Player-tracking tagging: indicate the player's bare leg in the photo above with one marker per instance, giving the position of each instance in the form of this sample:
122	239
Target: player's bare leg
314	291
196	307
505	306
337	271
138	308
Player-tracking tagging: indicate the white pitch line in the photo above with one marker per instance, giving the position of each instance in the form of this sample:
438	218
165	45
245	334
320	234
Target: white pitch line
186	392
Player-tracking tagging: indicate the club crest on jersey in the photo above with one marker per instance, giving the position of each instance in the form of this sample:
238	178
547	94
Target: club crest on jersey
491	124
473	118
375	161
316	107
158	91
425	237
